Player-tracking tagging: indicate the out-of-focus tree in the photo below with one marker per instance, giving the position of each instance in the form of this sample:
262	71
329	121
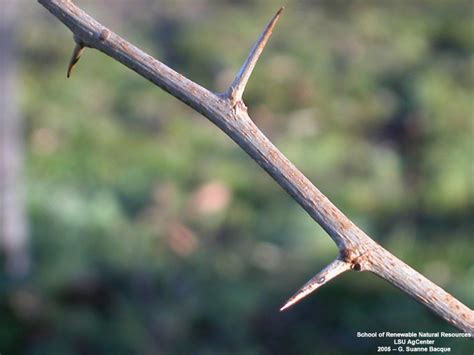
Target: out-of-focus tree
13	225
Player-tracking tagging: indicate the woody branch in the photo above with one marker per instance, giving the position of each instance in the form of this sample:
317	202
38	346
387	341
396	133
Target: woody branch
357	251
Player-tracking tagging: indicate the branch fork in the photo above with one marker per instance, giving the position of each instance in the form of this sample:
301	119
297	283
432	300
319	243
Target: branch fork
358	251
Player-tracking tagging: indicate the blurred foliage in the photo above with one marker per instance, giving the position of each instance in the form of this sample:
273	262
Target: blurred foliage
151	232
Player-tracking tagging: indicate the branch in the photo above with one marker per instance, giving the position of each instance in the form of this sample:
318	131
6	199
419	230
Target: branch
355	247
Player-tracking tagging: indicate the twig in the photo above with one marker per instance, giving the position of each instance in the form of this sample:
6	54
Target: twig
355	247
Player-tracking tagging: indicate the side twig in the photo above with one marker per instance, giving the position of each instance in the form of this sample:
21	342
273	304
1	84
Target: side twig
357	250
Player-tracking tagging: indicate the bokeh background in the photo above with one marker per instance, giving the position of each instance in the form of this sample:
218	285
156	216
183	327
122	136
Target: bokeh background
145	230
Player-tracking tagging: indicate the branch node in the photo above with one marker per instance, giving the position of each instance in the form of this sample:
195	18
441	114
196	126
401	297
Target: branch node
331	271
104	35
236	89
76	55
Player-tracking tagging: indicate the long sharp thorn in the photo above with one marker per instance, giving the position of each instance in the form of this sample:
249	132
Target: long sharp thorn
237	87
76	55
331	271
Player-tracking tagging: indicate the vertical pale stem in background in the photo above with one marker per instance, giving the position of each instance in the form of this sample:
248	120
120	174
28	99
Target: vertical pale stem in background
13	225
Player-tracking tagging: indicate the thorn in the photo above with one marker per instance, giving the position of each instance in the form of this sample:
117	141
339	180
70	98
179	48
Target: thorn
331	271
76	55
236	89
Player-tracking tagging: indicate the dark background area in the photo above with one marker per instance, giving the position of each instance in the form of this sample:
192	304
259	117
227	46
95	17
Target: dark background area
147	230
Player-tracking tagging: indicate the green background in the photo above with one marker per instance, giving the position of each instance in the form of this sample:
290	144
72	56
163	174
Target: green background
152	232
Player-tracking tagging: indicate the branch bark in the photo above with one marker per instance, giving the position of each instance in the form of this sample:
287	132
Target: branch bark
228	112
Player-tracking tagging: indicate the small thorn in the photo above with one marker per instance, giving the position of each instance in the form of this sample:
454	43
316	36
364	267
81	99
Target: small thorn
237	87
76	55
331	271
